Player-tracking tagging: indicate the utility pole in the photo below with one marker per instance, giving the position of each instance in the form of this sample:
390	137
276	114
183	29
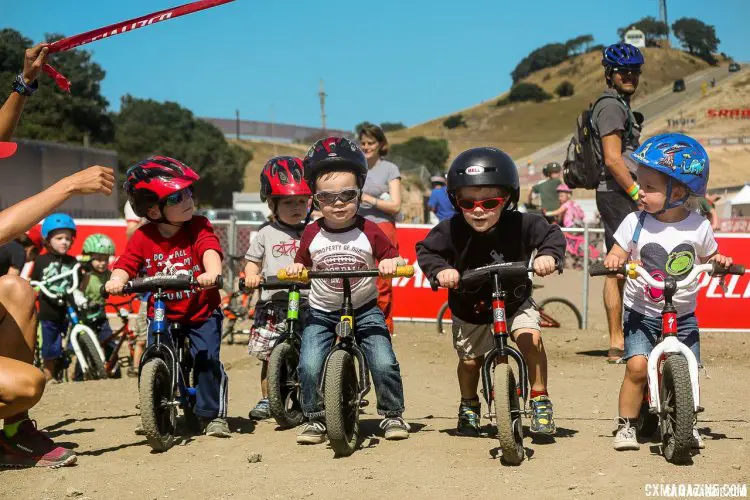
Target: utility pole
237	123
273	131
663	17
322	94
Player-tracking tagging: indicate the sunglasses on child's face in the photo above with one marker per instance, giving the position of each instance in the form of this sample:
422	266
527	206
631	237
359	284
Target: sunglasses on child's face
488	204
331	197
178	197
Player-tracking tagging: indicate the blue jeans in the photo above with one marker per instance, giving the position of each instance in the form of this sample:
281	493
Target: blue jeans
52	334
642	333
211	381
374	340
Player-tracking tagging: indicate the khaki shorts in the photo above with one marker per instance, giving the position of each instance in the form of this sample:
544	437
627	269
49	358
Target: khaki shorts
140	325
472	341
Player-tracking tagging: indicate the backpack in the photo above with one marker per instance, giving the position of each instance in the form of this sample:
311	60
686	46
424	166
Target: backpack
581	168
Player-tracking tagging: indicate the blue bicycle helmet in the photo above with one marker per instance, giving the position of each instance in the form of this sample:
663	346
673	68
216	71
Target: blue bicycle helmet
622	55
57	221
680	158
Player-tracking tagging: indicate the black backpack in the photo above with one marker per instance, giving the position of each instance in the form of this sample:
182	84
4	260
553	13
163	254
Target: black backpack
581	168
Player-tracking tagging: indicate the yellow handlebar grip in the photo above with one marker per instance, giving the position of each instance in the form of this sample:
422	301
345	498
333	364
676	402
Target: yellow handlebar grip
283	276
404	271
632	274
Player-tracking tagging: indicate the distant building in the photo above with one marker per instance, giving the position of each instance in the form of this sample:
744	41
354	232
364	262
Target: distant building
635	37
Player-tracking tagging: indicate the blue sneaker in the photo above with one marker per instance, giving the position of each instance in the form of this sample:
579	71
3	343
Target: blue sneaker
261	410
468	418
541	417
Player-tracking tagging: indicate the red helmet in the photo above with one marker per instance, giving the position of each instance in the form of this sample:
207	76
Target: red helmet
153	179
335	153
283	176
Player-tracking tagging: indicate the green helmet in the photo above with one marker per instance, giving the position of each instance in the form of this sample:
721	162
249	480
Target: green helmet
99	243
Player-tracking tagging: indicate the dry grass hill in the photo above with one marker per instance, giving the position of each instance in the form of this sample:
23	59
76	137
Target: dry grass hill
523	128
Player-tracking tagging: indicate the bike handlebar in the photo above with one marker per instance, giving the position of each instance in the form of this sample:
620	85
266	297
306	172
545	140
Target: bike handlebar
633	270
155	283
42	285
503	270
273	284
307	275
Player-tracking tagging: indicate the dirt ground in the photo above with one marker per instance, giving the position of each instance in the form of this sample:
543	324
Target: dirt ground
97	420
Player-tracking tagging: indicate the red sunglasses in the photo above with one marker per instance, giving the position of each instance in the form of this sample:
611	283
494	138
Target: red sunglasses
488	204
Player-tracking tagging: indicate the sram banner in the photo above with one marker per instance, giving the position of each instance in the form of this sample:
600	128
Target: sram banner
413	299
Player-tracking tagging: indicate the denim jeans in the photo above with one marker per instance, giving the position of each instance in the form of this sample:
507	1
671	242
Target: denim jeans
374	340
642	333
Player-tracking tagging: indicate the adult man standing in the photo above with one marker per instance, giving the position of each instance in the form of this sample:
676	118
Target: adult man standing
617	134
439	202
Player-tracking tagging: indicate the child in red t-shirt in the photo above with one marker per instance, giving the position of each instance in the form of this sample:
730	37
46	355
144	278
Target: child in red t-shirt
177	242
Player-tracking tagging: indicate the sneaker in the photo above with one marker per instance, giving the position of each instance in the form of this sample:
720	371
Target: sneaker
468	418
312	433
541	416
395	428
218	427
32	448
625	438
697	442
261	410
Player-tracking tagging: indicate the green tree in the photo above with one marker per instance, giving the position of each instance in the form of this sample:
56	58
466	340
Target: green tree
145	127
549	55
565	89
652	28
698	37
432	153
392	126
454	121
53	114
579	44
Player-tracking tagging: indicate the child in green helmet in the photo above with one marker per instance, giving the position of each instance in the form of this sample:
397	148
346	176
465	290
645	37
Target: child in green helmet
97	250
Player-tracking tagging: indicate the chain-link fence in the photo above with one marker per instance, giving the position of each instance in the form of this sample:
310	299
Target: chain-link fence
235	237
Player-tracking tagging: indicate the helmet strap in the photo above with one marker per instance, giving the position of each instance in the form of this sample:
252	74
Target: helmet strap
668	204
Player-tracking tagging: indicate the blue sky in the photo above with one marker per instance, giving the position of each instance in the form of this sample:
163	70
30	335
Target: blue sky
384	60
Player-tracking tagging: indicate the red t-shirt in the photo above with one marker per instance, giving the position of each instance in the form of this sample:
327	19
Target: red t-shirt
148	250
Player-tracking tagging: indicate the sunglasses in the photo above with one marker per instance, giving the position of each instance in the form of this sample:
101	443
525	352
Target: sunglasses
178	197
488	204
331	197
627	71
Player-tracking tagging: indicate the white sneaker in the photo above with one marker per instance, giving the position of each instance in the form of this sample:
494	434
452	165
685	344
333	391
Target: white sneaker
312	433
625	438
697	440
395	428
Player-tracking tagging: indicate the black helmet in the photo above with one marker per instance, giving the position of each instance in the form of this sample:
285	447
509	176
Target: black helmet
335	153
484	167
551	168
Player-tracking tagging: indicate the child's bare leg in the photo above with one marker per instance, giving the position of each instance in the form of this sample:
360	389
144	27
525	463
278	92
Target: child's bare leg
530	344
264	379
468	371
631	391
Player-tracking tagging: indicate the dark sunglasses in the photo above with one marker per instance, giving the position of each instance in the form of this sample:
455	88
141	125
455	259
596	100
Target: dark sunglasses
178	197
331	197
627	71
488	204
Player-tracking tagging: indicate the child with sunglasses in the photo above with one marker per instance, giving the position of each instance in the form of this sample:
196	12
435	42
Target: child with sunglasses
283	187
483	184
176	242
336	170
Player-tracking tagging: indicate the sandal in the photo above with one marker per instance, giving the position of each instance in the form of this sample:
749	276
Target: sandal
615	355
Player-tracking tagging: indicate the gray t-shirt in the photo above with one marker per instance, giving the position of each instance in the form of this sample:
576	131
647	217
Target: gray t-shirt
611	115
378	178
274	248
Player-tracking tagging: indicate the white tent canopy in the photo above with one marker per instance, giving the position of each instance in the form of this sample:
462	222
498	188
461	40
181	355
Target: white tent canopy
743	197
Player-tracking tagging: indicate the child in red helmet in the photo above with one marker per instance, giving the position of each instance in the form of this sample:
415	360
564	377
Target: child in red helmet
175	240
283	187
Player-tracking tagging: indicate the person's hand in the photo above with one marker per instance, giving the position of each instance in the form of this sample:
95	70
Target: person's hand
448	278
614	263
369	199
33	61
544	265
252	281
207	280
723	260
93	180
387	267
294	270
114	286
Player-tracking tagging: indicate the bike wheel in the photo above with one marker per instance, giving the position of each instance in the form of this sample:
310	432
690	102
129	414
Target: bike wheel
158	414
678	410
283	387
647	422
92	357
440	317
508	414
341	397
557	312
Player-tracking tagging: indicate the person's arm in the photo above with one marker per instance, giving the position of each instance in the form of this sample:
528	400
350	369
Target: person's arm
131	227
10	112
434	253
530	197
392	206
613	160
252	274
23	215
212	264
555	213
714	219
